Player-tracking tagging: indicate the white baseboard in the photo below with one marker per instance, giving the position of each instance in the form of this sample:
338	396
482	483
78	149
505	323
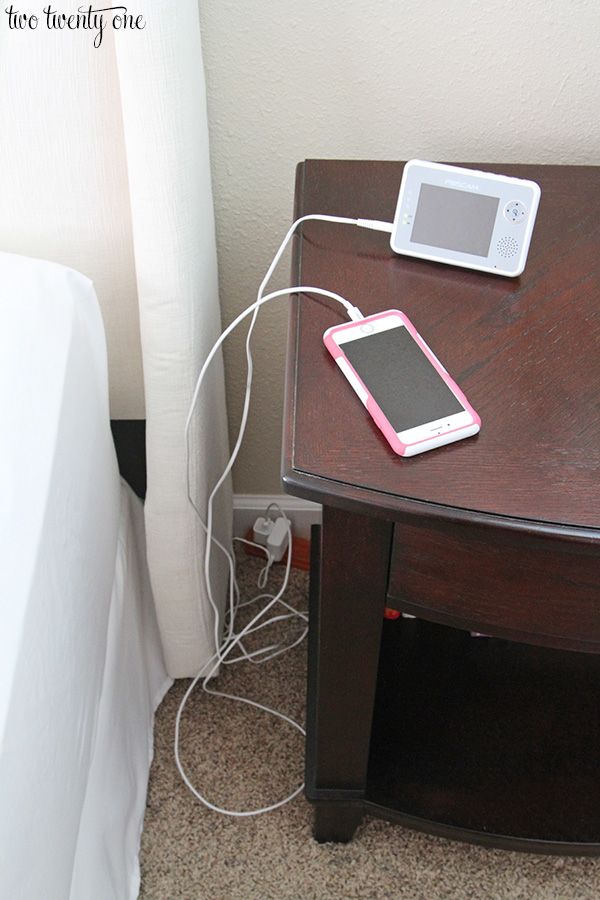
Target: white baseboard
301	513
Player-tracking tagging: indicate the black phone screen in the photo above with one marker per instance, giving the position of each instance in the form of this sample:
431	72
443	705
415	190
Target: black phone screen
401	379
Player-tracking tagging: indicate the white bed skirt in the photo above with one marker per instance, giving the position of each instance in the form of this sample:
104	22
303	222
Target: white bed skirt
81	667
134	683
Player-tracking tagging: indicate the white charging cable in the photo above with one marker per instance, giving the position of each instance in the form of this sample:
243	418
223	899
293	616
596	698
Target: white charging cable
225	645
354	314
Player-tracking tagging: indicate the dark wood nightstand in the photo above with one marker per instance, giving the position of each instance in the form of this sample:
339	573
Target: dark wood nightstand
493	739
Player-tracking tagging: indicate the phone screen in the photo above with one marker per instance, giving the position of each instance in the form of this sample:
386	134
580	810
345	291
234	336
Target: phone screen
401	379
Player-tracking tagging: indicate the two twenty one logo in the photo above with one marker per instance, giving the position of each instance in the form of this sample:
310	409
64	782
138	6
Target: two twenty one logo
86	18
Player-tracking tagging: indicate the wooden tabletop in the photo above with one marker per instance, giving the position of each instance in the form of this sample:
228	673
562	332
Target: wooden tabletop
526	351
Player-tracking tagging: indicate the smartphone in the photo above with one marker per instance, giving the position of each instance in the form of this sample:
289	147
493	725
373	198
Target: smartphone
409	394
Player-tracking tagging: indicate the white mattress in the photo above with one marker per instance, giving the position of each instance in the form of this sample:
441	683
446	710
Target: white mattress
81	670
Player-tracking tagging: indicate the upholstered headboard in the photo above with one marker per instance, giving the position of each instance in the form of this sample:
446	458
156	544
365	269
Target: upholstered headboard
104	167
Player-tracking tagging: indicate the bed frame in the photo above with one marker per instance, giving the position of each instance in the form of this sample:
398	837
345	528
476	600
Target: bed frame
129	436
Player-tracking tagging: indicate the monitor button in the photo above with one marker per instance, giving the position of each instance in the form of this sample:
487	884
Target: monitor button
515	212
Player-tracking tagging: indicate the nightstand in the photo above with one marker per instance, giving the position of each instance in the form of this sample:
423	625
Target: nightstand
493	739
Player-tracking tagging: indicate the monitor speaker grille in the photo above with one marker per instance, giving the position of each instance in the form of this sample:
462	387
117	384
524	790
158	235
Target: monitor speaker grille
507	247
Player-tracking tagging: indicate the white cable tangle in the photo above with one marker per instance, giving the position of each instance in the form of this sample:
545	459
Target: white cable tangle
225	645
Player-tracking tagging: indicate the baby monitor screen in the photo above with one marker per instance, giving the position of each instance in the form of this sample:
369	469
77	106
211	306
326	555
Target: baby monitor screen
401	379
454	219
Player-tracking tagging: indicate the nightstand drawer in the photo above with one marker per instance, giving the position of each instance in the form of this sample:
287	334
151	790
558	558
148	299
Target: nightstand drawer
542	589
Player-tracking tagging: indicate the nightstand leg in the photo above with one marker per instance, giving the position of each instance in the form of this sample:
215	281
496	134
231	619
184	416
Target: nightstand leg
349	567
336	822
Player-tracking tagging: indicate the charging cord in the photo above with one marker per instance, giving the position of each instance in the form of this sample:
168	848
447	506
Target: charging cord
225	644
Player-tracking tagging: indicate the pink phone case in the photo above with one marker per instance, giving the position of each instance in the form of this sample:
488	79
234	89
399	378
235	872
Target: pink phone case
373	408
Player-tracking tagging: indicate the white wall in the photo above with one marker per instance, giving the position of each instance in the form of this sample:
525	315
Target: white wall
495	80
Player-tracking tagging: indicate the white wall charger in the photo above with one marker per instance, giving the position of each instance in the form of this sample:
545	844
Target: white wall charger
279	538
262	529
273	534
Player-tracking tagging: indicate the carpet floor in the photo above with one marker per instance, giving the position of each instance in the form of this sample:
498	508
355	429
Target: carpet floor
242	758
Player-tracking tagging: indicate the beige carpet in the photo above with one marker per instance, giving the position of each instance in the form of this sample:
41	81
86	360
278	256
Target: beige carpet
241	757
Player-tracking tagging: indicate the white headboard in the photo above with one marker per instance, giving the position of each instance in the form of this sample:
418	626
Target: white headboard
63	182
104	167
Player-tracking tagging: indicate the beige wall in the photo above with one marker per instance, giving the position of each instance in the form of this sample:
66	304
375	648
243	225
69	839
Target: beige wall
493	80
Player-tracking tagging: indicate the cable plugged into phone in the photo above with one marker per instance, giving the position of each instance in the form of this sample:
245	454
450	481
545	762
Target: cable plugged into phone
354	313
